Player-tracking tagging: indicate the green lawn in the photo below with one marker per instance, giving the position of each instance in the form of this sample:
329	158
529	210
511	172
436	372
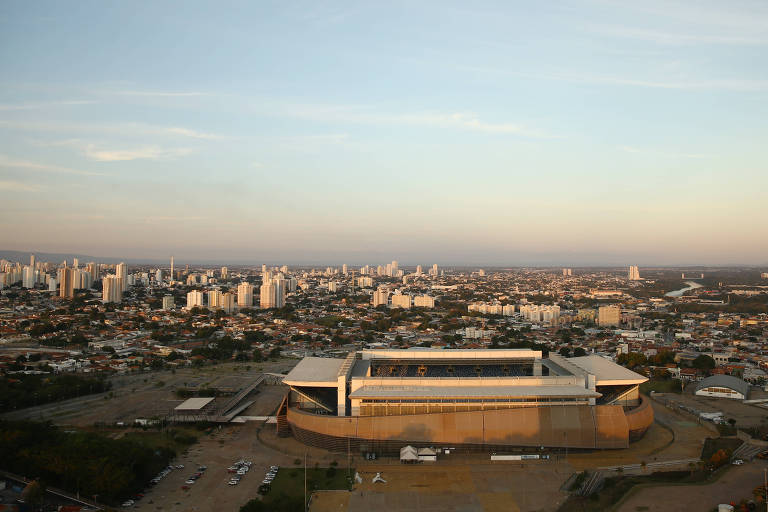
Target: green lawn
660	386
287	490
175	438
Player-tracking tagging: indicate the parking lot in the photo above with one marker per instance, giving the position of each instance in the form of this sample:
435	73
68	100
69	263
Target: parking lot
212	490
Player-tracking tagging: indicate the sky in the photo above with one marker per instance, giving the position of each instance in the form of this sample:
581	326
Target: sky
481	133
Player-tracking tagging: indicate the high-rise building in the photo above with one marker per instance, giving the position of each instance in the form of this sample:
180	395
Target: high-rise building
245	295
52	284
159	276
32	260
344	269
332	286
168	302
567	272
121	271
418	270
433	271
111	289
92	269
380	297
423	301
214	299
401	301
194	299
28	277
224	273
608	316
280	290
75	263
267	294
172	275
634	273
228	302
365	282
67	287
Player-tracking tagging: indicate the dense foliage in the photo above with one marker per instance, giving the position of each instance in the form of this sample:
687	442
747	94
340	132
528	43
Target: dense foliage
19	391
79	461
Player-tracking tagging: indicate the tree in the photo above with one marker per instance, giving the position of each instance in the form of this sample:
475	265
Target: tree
274	353
258	356
579	352
564	351
704	362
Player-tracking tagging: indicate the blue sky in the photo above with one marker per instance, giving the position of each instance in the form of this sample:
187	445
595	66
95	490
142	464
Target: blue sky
502	133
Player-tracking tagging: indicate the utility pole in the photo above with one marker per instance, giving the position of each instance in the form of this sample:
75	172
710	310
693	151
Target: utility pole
305	480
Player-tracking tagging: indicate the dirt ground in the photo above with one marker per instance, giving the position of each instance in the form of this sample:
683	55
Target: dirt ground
736	484
534	486
746	415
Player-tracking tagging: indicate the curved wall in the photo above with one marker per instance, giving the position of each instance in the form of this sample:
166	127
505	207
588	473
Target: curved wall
639	418
602	426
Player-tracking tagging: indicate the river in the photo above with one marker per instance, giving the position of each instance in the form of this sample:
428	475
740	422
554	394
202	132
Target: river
691	286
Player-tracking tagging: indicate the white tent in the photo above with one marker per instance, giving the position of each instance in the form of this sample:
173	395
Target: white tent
408	454
427	454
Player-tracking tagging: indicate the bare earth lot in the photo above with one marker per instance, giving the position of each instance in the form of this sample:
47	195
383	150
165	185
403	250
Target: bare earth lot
736	484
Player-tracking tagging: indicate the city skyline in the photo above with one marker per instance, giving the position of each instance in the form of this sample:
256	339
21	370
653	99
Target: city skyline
570	134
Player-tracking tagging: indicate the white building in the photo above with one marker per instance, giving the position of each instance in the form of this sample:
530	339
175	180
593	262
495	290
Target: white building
214	299
194	299
423	301
111	290
380	297
401	301
332	286
245	295
168	302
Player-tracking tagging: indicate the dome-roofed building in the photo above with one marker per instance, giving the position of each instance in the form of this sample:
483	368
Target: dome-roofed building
723	386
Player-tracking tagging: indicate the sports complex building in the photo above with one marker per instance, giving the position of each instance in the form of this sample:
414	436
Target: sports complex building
478	399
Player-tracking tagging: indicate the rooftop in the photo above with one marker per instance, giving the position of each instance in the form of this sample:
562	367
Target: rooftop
606	372
193	404
314	371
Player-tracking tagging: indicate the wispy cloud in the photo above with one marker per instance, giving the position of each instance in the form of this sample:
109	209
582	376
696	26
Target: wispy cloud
17	186
364	114
45	104
93	152
635	150
162	94
128	129
12	163
680	38
680	82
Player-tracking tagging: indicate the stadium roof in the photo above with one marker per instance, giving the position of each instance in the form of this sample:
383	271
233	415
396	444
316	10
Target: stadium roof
193	404
471	392
315	371
724	381
606	372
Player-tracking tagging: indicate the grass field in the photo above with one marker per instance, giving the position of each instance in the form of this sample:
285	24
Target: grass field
661	386
175	438
287	489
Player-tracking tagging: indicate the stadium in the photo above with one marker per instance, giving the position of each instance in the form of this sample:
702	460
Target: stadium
378	400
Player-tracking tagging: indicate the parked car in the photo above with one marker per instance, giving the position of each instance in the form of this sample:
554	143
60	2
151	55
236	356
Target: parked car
737	462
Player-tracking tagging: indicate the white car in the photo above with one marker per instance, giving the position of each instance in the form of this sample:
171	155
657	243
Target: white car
128	503
233	482
189	482
737	462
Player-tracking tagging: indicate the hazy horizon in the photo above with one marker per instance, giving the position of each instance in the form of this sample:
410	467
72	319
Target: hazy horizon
375	259
581	132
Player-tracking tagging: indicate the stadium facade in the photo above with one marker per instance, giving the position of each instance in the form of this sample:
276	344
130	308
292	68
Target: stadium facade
478	399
